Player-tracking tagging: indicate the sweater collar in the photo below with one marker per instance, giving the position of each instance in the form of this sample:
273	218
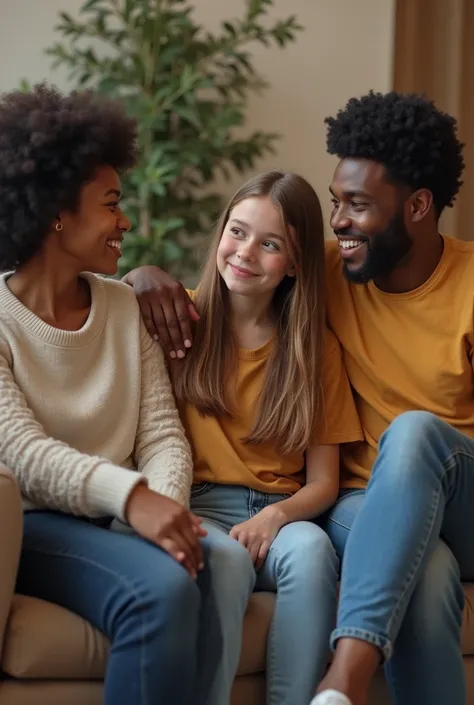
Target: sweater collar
56	336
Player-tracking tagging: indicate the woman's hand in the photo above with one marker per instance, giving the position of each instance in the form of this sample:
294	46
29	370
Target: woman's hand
166	308
258	533
167	524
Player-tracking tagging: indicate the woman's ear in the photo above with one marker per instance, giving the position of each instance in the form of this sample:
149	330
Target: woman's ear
291	272
57	223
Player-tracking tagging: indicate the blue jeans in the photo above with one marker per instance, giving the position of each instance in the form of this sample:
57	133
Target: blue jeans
411	543
165	637
301	567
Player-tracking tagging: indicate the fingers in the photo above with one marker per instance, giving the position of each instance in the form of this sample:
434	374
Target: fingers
147	316
194	546
169	328
250	542
196	526
159	313
175	551
262	554
168	315
173	316
253	547
199	531
188	558
257	546
183	309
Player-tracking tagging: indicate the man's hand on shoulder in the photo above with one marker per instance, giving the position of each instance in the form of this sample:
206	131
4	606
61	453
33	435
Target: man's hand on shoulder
166	308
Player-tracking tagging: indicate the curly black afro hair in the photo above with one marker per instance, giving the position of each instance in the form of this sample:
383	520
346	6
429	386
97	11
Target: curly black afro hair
50	145
416	142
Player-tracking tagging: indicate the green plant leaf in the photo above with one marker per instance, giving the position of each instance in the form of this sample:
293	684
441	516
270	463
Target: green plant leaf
188	89
90	5
172	250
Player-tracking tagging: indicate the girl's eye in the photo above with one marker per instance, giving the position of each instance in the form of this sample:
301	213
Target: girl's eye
270	245
236	231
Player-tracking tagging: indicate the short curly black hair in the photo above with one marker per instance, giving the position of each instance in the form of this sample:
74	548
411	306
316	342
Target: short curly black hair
50	145
415	141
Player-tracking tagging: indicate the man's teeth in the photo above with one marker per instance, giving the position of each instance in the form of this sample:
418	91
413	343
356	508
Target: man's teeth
348	244
116	244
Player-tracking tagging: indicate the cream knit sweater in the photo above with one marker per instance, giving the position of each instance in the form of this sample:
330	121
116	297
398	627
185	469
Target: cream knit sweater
82	411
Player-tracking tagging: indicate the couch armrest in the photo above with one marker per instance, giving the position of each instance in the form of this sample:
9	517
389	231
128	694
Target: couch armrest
11	531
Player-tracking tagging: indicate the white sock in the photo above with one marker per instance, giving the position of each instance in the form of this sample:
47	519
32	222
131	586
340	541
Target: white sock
330	697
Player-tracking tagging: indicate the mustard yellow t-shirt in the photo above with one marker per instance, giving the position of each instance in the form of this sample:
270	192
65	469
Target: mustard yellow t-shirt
405	352
220	456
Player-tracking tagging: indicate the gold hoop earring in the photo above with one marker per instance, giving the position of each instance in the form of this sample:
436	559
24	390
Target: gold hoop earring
59	227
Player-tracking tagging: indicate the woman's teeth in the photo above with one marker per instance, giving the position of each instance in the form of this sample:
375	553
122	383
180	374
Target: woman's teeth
348	244
116	244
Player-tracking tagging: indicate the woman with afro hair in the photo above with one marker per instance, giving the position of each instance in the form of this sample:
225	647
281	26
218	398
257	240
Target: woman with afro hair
88	422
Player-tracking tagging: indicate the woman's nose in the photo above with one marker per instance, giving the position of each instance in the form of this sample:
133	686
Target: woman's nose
123	223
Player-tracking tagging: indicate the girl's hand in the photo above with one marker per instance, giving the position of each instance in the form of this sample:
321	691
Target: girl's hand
258	533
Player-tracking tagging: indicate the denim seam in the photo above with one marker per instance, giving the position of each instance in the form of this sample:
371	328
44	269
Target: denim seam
384	643
271	636
270	661
118	577
448	465
416	564
249	502
340	523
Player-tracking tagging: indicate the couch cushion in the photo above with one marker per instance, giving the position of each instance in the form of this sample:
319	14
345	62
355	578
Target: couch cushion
46	641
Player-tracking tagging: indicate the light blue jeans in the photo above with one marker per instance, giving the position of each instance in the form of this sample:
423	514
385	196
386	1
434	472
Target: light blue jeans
302	568
230	582
163	626
411	543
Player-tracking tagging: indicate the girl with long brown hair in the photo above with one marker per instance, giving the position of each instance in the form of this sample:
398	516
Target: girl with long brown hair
265	401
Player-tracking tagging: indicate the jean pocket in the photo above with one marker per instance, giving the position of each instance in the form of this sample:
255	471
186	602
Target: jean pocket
201	488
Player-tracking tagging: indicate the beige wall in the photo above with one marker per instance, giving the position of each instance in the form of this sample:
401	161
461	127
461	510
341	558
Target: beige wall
345	50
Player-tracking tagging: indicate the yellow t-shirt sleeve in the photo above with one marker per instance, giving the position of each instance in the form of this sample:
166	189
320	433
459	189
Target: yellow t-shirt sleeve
339	422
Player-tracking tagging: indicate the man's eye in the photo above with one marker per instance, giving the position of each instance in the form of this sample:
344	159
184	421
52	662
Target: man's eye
358	206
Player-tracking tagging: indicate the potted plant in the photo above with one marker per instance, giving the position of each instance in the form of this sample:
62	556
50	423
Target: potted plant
188	89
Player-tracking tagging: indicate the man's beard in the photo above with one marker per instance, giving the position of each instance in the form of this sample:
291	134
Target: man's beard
384	251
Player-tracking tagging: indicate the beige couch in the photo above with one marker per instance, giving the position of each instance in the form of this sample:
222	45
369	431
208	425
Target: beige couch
52	657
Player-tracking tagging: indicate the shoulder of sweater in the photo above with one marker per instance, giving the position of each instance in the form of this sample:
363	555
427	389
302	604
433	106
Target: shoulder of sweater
7	323
118	293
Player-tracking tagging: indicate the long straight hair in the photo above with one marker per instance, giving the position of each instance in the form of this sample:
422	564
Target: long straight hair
290	402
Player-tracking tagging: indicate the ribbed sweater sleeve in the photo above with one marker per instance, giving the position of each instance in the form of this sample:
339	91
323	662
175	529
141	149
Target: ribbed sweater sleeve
162	452
50	473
